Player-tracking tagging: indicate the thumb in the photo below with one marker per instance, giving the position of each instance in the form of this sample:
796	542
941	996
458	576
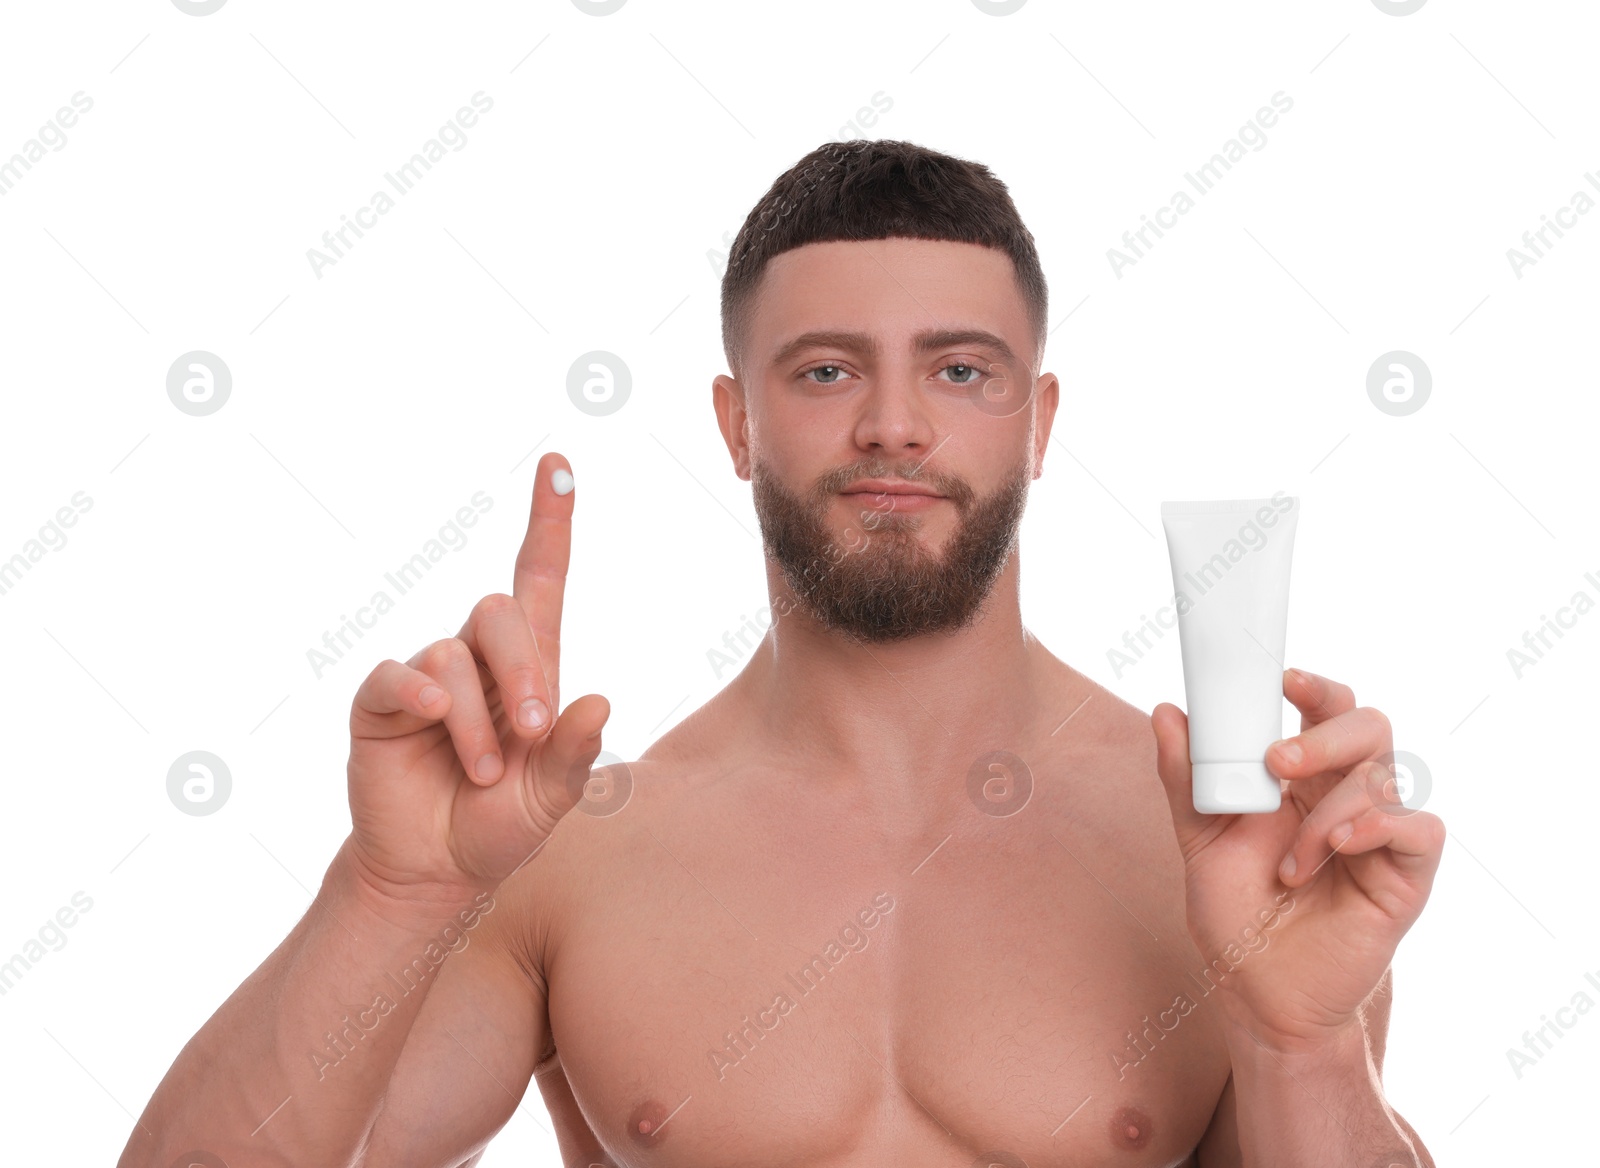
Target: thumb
562	760
1171	727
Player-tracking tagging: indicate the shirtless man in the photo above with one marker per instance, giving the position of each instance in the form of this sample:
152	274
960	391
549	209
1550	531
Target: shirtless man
908	890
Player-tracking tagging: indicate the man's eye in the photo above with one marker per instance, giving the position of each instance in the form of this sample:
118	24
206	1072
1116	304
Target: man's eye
968	373
829	380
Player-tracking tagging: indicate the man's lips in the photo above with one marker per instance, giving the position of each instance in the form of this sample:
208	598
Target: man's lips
879	495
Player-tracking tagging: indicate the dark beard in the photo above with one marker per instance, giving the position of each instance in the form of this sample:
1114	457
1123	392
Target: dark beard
878	583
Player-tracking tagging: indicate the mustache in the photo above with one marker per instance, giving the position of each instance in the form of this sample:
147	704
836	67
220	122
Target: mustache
957	490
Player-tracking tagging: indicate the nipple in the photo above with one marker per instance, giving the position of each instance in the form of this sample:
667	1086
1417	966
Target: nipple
647	1124
1130	1128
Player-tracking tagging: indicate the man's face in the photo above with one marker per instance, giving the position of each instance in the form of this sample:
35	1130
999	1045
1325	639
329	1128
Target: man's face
904	361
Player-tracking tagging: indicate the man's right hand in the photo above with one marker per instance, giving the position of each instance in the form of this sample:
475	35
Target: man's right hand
451	788
430	834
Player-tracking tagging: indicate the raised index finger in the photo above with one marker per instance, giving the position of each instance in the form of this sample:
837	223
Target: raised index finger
540	577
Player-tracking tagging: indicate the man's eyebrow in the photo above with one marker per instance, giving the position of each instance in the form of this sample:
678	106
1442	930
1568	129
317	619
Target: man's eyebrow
864	343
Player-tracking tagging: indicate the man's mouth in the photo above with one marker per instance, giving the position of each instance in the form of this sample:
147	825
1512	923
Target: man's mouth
891	495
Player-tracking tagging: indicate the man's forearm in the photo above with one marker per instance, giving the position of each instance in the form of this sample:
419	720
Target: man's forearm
1316	1107
291	1069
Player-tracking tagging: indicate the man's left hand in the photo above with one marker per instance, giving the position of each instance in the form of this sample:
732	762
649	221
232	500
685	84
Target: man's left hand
1359	863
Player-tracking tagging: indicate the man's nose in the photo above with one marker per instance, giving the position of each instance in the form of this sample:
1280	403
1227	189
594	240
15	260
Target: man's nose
895	418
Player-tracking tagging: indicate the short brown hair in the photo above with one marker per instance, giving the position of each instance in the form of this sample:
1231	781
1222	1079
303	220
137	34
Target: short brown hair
877	189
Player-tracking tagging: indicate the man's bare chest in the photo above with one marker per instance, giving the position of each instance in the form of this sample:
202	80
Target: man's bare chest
1014	988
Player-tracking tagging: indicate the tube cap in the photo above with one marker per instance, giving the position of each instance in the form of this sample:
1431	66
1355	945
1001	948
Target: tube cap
1228	788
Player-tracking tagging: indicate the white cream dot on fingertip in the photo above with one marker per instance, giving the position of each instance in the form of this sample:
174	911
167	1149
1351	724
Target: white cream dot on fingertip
561	482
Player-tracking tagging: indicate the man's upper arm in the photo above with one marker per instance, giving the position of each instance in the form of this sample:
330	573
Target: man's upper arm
472	1049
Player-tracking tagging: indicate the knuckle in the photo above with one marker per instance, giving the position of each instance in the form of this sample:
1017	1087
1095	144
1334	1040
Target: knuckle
1377	781
497	604
1352	801
380	677
449	654
475	735
1378	789
429	657
526	681
1380	773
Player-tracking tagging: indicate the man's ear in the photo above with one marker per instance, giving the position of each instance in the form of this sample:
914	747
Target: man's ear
1048	389
727	396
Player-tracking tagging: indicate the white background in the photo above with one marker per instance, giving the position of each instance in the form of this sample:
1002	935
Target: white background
430	363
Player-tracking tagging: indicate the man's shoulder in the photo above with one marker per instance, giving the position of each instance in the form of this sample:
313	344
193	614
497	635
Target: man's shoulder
594	852
620	801
1093	717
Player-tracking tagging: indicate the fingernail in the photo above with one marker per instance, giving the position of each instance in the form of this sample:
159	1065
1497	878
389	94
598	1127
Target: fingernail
429	694
534	712
488	768
1288	866
1341	833
1290	752
561	481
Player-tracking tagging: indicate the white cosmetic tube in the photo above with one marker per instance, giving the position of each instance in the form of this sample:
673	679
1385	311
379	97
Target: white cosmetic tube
1230	576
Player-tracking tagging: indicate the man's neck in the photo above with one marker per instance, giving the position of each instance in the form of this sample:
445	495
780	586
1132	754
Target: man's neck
907	711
